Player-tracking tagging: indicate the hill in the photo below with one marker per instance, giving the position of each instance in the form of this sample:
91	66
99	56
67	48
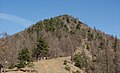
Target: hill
52	66
65	35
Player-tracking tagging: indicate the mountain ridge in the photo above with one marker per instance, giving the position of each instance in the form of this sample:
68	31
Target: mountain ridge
63	34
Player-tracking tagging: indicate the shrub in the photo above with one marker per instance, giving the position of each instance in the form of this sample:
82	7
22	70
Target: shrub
67	68
72	32
65	62
90	36
30	64
49	28
65	28
78	27
99	36
94	60
21	64
76	71
11	66
80	60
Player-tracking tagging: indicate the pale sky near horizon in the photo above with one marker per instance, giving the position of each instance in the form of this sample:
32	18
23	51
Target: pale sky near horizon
16	15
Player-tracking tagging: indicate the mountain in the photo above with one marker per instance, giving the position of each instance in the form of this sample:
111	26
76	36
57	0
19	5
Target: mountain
65	36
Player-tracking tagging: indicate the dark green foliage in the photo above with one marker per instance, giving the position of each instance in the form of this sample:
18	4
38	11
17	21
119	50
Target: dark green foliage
72	32
107	42
90	36
94	60
87	46
76	71
11	66
114	45
78	26
39	26
49	28
50	24
53	23
36	27
65	28
67	68
21	64
30	64
68	21
65	62
80	60
24	55
67	18
99	36
41	49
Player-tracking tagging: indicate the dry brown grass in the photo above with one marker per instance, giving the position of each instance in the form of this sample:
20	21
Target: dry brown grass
51	66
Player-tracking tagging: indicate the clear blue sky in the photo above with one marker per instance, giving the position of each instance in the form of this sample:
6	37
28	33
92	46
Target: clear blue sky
16	15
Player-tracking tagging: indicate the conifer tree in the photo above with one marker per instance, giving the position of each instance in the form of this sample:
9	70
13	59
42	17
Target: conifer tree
41	49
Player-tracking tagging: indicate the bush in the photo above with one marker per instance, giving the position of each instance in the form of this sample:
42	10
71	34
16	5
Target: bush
94	60
76	71
72	32
67	68
78	27
65	62
30	64
80	60
11	66
65	28
90	36
99	36
21	64
49	28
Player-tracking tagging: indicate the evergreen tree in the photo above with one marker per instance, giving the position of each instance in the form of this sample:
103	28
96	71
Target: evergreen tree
41	49
80	60
24	55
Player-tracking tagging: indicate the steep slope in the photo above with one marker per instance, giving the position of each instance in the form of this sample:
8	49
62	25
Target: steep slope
64	36
59	33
